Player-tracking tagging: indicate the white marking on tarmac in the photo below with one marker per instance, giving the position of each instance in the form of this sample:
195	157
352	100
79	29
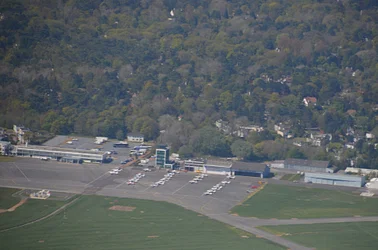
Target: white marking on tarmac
61	191
96	179
180	188
20	171
121	184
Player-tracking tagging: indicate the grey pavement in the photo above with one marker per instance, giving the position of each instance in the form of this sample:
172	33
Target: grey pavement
92	179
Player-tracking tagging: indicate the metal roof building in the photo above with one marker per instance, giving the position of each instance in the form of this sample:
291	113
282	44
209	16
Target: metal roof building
308	165
335	179
217	167
60	154
250	169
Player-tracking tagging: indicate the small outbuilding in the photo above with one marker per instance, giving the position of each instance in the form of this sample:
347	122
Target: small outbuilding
254	169
135	137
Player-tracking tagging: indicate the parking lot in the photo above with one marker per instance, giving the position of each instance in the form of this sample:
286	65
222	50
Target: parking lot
29	173
179	190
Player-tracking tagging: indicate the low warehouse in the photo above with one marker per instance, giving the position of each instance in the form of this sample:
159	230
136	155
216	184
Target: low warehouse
60	154
308	165
217	167
250	169
335	179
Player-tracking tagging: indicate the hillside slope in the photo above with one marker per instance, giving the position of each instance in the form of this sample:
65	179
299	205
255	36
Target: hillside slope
107	67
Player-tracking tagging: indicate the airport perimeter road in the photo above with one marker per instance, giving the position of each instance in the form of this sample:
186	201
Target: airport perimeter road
242	224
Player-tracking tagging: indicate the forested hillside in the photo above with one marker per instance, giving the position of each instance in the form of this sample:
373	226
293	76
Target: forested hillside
110	67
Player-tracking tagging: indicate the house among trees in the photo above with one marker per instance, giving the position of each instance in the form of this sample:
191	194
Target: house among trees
283	130
307	101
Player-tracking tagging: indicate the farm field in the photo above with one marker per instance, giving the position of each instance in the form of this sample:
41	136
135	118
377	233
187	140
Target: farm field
285	202
333	236
90	223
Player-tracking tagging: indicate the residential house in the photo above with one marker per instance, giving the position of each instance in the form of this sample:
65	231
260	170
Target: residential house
283	130
319	138
370	136
243	131
307	101
223	126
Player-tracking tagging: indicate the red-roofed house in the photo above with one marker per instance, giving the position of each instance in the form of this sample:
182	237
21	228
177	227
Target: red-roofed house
309	101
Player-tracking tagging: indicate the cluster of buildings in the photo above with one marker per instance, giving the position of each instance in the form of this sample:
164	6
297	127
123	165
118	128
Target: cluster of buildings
211	166
239	130
320	172
314	171
220	167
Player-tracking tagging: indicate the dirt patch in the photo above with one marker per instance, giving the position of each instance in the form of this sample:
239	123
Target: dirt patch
3	210
235	214
153	236
245	236
122	208
17	205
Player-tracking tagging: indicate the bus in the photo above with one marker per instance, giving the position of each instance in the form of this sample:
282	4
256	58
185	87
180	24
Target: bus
120	145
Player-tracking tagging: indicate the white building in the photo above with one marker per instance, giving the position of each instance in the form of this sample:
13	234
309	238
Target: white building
100	140
135	137
20	133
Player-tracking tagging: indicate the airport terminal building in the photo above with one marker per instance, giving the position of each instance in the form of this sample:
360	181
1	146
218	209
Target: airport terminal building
60	154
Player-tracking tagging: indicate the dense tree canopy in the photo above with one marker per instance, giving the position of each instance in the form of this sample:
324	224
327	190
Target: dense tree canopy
107	67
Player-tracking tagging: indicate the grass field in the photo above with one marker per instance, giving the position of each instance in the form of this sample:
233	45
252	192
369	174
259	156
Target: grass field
29	211
89	224
334	236
6	198
285	202
7	159
291	177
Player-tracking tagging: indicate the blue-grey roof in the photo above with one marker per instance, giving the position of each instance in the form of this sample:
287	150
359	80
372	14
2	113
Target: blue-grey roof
307	163
251	166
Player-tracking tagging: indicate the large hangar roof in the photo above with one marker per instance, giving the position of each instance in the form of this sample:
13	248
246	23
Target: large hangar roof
307	163
249	166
